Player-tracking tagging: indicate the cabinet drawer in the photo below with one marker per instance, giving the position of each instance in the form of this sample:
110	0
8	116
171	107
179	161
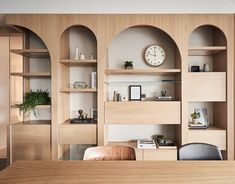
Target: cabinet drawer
77	134
160	154
206	86
215	137
142	112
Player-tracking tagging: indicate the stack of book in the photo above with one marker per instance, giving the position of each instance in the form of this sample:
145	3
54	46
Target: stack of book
197	126
168	144
146	144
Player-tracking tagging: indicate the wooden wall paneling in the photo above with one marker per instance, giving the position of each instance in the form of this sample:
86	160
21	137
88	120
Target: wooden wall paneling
160	154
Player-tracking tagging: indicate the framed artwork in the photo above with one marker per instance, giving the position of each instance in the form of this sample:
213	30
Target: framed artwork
203	115
93	113
135	93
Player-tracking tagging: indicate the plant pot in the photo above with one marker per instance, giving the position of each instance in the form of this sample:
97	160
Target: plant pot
195	121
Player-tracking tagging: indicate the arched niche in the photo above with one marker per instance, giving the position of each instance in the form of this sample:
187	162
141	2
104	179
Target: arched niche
80	37
208	45
30	66
131	43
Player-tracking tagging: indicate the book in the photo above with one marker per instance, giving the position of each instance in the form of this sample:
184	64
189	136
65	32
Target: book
198	125
168	145
146	144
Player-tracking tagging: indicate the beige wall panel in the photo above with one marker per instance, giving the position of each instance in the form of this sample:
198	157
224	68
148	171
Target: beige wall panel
31	142
210	136
77	134
160	154
207	86
142	112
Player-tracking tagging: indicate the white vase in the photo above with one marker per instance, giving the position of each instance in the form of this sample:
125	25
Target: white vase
195	121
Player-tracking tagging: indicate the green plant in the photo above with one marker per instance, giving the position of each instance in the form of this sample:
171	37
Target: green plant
34	98
195	115
128	64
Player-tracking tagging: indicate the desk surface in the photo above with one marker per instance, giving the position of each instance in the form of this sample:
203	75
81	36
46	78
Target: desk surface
96	172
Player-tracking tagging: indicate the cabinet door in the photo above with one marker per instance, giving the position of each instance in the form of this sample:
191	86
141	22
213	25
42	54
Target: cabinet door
142	112
160	154
31	142
206	86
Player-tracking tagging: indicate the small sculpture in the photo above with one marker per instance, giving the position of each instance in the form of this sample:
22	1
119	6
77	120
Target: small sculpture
80	112
79	84
128	65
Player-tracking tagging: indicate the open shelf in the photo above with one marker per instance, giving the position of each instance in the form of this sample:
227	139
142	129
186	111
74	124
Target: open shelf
87	90
30	75
205	50
32	53
37	107
34	122
73	62
142	71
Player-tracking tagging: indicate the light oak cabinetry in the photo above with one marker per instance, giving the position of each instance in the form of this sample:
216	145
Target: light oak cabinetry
187	39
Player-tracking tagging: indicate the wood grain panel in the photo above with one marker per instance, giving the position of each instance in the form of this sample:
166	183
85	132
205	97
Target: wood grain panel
78	134
142	112
207	86
31	142
211	136
160	154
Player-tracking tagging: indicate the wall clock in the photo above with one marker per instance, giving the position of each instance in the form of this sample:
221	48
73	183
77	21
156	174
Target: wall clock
155	55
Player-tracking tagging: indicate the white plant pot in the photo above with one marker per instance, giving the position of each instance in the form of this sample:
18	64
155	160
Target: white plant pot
195	121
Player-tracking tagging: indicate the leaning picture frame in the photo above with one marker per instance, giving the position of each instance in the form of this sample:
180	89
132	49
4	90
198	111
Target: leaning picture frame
203	116
93	113
135	92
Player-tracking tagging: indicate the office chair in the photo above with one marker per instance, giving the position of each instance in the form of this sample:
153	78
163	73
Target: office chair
199	151
110	153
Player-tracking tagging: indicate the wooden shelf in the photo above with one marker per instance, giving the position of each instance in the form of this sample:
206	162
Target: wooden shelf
73	62
86	90
36	75
37	107
32	53
142	71
205	51
34	122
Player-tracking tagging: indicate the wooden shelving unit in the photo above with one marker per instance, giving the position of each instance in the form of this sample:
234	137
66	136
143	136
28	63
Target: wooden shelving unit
156	71
72	62
205	50
86	90
32	53
31	75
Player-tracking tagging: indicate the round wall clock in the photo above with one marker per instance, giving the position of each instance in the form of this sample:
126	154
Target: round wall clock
155	55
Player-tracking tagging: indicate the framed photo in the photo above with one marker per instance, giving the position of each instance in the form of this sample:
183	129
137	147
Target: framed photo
135	93
203	116
93	113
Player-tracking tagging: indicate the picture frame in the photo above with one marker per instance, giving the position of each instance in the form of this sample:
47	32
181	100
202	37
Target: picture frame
203	116
135	92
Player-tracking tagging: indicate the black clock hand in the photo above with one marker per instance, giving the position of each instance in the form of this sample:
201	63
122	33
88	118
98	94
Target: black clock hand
152	55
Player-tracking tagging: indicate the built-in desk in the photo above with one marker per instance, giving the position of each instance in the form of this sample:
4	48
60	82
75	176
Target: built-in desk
97	172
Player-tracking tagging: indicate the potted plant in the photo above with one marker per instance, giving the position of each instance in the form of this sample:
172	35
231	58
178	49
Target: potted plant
160	139
34	98
195	116
128	65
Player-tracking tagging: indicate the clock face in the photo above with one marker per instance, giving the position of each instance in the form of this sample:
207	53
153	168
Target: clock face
155	55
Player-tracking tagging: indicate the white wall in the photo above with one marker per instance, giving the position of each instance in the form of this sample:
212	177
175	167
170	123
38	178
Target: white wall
117	6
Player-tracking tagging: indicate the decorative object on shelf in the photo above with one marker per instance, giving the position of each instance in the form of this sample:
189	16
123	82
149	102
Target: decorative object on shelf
163	97
93	113
197	126
82	56
93	80
79	84
203	119
206	68
128	65
155	55
160	138
91	56
195	68
76	54
117	96
143	97
82	118
34	98
135	92
124	99
195	116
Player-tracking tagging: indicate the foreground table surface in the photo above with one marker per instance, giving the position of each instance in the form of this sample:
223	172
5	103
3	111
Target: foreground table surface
95	172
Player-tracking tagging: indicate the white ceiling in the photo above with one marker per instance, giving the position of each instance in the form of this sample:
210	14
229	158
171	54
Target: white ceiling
117	6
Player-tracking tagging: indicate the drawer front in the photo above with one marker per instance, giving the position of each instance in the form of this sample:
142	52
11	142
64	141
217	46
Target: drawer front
206	86
160	154
77	134
215	137
142	112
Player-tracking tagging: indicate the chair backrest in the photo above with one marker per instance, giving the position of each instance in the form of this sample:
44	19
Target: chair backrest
110	153
199	151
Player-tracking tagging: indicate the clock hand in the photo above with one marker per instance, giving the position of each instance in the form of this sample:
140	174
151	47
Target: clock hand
155	52
152	55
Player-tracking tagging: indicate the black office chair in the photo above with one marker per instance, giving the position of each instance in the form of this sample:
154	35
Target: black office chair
199	151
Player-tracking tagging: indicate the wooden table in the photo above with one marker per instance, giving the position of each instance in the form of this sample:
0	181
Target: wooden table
97	172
